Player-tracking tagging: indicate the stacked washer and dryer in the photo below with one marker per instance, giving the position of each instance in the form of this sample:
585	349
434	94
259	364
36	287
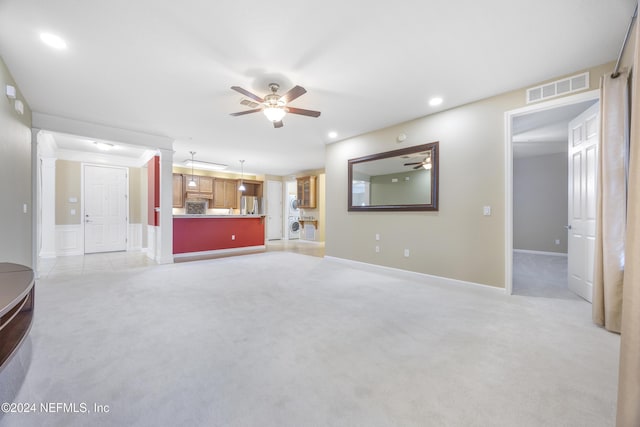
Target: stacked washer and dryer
294	218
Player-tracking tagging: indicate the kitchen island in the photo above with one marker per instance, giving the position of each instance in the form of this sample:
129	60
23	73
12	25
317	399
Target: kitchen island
197	235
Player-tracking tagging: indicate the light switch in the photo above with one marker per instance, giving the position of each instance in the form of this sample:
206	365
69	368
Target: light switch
486	211
24	208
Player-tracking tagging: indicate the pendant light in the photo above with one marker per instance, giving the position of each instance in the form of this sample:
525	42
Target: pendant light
242	187
192	182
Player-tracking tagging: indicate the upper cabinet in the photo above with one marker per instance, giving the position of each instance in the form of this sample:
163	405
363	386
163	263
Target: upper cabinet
252	188
225	193
178	190
306	193
203	188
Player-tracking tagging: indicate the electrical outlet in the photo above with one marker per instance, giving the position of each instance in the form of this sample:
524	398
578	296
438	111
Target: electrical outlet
406	253
377	249
233	237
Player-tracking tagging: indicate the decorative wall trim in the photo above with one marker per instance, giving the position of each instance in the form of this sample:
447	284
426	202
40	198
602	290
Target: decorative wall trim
526	251
69	240
222	251
413	274
134	242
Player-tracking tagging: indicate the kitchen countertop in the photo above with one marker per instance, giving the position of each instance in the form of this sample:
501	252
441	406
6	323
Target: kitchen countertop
218	216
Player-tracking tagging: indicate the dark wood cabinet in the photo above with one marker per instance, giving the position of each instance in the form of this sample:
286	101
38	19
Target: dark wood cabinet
306	194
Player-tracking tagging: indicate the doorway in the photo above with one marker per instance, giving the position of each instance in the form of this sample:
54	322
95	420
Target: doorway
105	208
536	156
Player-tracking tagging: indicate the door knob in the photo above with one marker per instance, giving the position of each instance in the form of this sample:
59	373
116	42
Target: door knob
568	227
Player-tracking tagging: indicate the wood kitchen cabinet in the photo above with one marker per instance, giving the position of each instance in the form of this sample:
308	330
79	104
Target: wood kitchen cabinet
306	193
252	188
225	193
203	188
178	190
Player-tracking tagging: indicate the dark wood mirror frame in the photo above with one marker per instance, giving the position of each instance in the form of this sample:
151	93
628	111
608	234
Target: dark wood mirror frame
432	206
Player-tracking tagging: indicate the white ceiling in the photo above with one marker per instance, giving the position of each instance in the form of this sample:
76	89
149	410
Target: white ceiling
165	67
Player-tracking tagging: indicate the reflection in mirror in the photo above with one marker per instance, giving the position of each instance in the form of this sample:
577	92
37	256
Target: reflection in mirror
401	180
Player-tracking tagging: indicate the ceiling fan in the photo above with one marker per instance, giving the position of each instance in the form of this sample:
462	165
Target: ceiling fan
426	163
274	106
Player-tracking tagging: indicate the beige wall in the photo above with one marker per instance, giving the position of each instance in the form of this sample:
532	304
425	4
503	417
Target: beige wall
15	177
540	203
68	182
135	191
457	241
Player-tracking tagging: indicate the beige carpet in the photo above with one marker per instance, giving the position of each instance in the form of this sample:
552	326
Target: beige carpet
283	339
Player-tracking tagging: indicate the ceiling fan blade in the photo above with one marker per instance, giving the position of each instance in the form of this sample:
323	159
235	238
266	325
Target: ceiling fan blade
242	113
415	163
247	93
417	167
303	112
294	93
278	124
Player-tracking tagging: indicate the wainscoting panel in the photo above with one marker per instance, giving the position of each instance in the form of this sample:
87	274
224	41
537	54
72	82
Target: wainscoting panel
69	240
135	237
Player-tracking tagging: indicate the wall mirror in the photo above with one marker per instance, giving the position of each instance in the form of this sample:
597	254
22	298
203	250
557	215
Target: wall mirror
399	180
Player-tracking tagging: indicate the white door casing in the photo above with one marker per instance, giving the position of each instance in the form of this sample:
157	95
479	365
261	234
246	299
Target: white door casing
106	208
274	210
581	228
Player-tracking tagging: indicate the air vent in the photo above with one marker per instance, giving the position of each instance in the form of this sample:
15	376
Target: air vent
558	88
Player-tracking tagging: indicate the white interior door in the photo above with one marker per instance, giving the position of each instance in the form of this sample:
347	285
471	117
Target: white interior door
105	209
583	161
274	210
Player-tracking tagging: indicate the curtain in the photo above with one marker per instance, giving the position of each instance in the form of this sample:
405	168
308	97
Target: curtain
611	203
629	375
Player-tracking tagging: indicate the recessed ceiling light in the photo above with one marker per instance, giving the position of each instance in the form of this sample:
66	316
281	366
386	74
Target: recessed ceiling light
104	146
53	41
333	134
435	101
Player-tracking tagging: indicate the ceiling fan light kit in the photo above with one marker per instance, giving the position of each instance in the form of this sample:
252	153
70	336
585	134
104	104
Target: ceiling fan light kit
273	106
275	114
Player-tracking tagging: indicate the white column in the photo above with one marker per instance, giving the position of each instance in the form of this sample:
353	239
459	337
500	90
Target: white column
48	208
164	249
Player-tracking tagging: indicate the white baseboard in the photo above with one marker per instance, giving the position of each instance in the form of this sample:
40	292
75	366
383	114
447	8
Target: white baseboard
69	240
413	274
525	251
221	251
